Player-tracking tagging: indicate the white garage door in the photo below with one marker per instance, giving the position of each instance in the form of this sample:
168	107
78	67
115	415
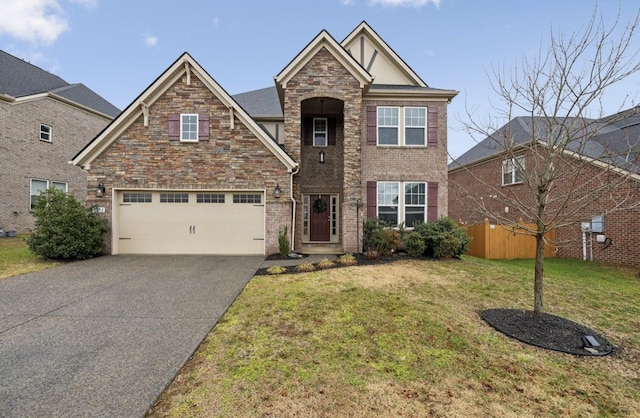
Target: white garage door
167	222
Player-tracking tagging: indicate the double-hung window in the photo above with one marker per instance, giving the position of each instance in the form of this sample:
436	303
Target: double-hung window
512	170
388	125
320	132
415	125
402	126
46	133
188	127
402	202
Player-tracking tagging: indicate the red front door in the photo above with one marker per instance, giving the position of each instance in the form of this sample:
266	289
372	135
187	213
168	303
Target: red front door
319	218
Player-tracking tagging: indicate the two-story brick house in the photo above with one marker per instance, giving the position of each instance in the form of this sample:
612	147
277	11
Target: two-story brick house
44	121
349	130
595	193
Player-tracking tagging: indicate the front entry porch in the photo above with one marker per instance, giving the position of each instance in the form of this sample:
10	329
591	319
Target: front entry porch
320	224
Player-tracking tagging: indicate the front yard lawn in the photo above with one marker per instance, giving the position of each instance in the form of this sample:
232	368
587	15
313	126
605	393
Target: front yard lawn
406	339
15	258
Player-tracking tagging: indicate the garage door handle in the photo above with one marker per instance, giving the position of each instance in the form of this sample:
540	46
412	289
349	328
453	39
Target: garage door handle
194	229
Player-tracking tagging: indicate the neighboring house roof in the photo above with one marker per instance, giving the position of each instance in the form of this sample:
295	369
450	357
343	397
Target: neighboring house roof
613	139
261	103
185	64
20	80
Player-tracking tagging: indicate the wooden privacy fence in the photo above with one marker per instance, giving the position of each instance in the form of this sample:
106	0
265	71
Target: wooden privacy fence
496	242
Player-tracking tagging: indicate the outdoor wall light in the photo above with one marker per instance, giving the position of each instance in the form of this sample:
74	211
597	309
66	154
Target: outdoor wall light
100	190
321	157
277	192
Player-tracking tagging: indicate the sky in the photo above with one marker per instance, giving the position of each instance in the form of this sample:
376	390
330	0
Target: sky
119	47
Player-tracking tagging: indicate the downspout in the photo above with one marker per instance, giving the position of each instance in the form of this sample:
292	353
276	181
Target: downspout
293	214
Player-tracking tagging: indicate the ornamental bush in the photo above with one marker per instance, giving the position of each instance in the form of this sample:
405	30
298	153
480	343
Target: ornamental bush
443	238
65	229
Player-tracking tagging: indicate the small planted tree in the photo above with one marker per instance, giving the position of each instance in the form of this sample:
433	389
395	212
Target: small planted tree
65	229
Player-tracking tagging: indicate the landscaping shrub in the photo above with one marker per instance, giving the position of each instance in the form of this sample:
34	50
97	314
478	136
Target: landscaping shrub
443	238
415	244
275	270
347	260
325	263
375	242
283	241
65	229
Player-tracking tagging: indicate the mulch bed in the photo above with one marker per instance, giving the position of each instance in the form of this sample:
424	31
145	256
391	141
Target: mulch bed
362	260
547	331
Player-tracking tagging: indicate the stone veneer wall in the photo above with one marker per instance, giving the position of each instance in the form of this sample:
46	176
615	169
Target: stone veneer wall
144	158
324	76
26	157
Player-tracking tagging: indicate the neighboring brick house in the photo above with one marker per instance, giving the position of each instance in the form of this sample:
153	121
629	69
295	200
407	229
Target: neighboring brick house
44	121
608	156
348	130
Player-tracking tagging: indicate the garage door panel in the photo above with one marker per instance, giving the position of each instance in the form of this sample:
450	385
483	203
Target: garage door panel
191	228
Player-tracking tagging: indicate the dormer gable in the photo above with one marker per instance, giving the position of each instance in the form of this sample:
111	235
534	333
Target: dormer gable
326	41
378	59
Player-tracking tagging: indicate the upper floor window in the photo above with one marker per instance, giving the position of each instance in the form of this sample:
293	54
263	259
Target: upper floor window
512	170
188	127
388	125
46	132
60	185
415	125
320	132
402	126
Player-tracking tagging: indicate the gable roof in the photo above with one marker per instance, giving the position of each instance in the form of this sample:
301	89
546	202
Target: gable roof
20	80
363	29
322	40
185	64
613	140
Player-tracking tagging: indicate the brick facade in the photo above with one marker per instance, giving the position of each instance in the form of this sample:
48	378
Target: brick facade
622	227
143	157
26	157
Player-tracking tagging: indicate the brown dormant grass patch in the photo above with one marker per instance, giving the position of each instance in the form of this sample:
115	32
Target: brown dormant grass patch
405	339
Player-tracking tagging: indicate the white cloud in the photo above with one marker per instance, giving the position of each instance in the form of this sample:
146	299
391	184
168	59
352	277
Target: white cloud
406	3
150	40
36	21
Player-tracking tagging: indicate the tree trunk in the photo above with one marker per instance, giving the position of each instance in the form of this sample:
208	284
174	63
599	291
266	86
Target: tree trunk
538	308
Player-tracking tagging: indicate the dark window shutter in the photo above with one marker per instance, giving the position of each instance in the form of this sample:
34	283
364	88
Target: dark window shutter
432	201
203	127
432	126
372	125
331	127
307	131
372	199
174	127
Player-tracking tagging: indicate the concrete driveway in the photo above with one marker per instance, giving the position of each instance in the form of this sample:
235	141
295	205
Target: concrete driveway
103	337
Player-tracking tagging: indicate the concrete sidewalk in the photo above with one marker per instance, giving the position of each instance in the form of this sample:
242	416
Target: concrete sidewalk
104	337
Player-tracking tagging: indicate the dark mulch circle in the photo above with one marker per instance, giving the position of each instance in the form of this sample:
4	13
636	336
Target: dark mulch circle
548	331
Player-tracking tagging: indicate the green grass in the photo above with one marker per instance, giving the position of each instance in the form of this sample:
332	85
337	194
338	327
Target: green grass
406	339
15	258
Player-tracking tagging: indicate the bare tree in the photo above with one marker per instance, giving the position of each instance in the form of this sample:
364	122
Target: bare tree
556	142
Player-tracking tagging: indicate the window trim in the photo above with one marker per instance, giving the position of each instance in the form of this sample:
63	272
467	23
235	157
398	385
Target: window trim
49	134
182	124
32	202
402	204
325	132
515	162
403	126
379	125
423	127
